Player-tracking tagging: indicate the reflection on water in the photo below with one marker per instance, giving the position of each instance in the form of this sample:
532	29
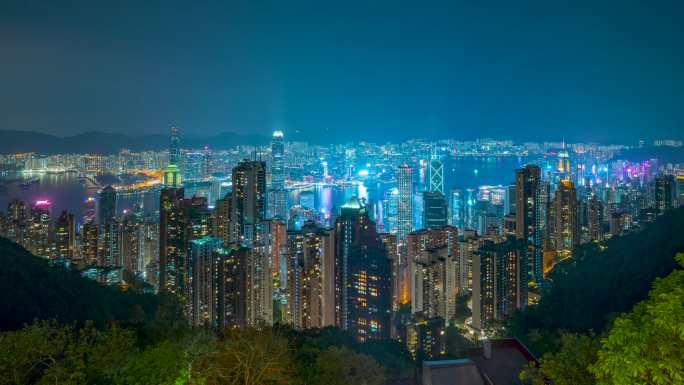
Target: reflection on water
66	191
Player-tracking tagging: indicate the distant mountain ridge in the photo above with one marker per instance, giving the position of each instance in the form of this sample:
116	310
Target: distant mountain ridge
111	143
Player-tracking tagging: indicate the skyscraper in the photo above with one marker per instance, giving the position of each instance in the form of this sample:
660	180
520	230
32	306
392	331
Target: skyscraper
16	222
436	175
499	281
278	176
664	193
405	202
230	285
201	286
172	241
566	221
529	216
362	275
65	236
456	208
221	226
174	148
38	229
108	227
434	210
248	205
171	177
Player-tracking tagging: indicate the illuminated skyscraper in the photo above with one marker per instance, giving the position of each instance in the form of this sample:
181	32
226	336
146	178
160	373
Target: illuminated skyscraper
174	148
363	291
193	166
566	221
499	281
529	216
405	202
434	210
65	236
38	229
16	222
664	193
248	206
436	175
278	192
201	292
594	218
221	227
456	208
230	285
172	241
108	227
89	243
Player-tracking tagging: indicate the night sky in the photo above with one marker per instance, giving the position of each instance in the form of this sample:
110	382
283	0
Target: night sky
375	70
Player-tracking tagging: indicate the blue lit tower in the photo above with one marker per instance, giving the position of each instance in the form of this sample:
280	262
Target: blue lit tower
174	148
436	174
278	175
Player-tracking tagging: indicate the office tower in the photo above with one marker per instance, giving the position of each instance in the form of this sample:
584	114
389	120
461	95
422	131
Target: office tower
470	200
468	244
278	176
90	235
200	299
436	175
171	176
363	293
207	164
499	281
193	166
65	236
456	208
89	207
38	229
434	210
565	221
174	148
664	193
432	255
108	227
230	285
248	205
529	213
172	241
129	242
405	202
221	226
16	222
391	211
510	200
594	218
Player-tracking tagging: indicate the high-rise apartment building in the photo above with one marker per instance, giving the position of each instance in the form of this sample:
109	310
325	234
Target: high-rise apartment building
529	213
405	202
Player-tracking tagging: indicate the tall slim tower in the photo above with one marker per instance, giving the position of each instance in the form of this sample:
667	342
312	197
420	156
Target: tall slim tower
248	206
174	148
172	241
405	203
528	216
108	227
566	218
278	176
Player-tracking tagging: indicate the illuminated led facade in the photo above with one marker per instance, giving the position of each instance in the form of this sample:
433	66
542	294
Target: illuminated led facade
434	210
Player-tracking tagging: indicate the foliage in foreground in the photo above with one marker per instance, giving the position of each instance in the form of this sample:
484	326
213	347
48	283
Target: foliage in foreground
644	346
49	353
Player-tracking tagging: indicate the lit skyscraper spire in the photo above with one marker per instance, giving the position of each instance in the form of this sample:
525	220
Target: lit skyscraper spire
171	177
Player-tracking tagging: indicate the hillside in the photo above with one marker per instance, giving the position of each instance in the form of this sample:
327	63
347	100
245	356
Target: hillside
31	289
111	143
589	291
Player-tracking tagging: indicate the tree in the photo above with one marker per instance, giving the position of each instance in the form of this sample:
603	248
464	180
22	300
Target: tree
246	357
341	366
646	346
568	366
